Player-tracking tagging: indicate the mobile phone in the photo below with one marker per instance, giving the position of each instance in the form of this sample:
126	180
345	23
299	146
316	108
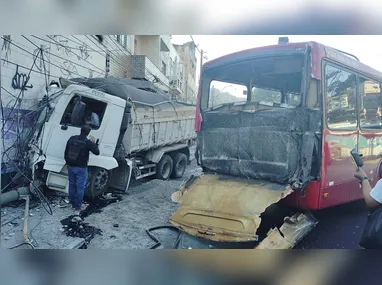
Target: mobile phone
356	158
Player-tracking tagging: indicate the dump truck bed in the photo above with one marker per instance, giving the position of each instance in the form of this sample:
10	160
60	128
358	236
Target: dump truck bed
159	125
154	119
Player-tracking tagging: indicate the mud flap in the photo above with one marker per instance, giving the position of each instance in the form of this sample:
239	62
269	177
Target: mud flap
223	208
290	233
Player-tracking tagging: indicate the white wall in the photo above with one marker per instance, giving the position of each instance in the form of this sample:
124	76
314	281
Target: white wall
63	56
149	46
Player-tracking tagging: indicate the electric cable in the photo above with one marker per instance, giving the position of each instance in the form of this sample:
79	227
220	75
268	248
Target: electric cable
37	56
39	194
57	56
35	227
21	244
158	242
22	87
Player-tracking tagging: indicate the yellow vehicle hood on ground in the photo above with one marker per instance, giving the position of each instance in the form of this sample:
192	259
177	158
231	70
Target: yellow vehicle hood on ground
222	209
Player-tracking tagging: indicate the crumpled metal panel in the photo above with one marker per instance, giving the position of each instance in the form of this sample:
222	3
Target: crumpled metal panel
265	144
226	209
293	230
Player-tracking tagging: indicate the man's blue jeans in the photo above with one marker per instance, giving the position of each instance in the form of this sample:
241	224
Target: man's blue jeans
78	177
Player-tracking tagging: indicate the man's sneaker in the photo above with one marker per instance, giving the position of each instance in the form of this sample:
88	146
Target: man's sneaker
77	217
83	207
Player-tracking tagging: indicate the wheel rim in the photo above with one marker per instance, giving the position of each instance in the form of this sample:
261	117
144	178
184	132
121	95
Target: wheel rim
101	180
180	166
166	170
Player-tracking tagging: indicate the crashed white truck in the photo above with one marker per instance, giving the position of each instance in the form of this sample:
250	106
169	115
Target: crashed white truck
141	133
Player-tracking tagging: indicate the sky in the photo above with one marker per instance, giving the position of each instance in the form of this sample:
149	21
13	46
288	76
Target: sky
367	48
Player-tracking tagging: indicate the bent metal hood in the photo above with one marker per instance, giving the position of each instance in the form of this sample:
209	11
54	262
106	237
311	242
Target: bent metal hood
222	208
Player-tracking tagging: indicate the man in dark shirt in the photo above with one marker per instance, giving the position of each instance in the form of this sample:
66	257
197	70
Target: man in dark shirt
77	157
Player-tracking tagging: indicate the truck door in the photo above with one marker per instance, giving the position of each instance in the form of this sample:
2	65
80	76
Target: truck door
65	127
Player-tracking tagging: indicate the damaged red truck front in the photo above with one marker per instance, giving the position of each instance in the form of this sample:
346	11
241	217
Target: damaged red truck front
265	120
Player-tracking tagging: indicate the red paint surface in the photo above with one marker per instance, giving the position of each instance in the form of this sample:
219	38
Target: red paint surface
310	200
337	169
319	51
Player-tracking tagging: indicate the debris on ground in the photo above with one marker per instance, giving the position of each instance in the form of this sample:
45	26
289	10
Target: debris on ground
111	221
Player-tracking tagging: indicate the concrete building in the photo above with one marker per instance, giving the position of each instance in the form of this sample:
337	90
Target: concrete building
156	59
151	59
29	63
188	55
34	61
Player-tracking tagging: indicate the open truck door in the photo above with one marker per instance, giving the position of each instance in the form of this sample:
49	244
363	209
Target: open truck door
64	123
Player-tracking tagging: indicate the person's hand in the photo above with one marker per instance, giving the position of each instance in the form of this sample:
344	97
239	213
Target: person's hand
93	139
360	174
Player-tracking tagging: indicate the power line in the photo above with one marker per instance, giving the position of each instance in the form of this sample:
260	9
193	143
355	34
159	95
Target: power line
116	58
196	46
146	69
59	67
57	43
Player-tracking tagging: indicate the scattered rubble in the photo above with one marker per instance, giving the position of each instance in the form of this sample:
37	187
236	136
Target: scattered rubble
113	222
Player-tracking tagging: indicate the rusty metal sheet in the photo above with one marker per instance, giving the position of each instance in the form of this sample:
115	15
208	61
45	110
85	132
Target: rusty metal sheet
225	209
293	230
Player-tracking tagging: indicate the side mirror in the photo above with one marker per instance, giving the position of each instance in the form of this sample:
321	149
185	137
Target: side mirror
78	113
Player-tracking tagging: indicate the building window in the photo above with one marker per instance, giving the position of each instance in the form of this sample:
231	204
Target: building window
164	68
341	103
122	40
125	41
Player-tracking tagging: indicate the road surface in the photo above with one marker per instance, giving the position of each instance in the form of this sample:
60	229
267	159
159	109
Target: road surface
148	204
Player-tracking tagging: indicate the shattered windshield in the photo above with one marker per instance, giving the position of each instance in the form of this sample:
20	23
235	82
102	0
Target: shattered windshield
268	96
224	92
272	81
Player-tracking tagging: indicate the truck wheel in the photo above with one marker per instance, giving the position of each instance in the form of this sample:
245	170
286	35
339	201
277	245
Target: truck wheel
180	165
164	168
98	182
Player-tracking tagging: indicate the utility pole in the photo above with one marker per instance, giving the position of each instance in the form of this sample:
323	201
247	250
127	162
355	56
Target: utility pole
201	62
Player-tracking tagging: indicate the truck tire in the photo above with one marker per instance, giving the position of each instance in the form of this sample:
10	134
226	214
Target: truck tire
164	167
98	182
180	165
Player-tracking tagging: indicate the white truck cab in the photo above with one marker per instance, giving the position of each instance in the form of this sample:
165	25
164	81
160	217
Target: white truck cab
136	139
66	121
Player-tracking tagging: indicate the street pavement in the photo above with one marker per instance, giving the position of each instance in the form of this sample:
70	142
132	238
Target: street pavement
338	228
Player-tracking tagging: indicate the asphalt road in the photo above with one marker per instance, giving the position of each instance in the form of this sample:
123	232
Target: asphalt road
338	228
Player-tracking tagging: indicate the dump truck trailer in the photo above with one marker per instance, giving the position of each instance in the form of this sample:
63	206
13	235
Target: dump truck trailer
141	133
268	162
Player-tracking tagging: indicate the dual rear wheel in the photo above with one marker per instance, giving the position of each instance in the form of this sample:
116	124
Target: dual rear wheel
171	166
168	167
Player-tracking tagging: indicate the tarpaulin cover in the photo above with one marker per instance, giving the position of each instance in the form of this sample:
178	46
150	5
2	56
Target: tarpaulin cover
129	88
275	145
